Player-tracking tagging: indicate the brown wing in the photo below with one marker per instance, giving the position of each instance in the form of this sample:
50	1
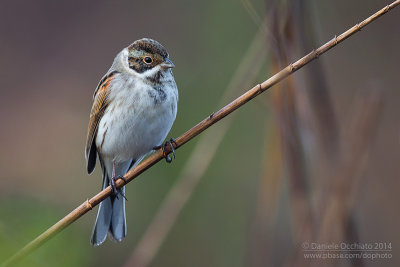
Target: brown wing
99	105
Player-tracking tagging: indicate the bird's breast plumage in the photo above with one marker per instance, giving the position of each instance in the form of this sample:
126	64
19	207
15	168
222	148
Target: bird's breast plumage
138	117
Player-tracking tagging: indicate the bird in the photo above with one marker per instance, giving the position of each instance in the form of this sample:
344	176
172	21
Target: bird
134	108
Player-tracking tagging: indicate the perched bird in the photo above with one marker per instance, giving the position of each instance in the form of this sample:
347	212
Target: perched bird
134	107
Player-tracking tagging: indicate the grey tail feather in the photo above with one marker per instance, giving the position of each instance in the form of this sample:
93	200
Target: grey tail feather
118	219
111	215
103	219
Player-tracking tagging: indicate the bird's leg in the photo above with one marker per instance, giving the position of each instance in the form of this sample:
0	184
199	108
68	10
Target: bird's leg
113	184
113	171
112	181
170	143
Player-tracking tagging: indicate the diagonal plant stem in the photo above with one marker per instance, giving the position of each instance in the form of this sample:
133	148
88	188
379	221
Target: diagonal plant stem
193	132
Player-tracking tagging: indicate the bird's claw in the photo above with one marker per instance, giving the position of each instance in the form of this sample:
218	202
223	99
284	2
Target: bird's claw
169	143
114	186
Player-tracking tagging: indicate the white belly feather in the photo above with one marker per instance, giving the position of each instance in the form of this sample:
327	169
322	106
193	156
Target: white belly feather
137	118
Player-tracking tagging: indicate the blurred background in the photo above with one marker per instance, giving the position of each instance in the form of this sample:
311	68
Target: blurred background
314	159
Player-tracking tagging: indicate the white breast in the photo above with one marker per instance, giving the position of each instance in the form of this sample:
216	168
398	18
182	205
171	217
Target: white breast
138	117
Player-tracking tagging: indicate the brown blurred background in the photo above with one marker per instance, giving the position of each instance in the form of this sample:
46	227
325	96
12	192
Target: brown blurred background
315	159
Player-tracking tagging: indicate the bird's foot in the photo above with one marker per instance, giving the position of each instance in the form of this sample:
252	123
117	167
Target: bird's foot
169	143
114	186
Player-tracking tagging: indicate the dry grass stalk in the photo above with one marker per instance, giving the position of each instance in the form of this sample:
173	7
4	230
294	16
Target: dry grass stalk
288	119
318	160
344	177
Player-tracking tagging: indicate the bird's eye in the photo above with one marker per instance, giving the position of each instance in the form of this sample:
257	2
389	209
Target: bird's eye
148	60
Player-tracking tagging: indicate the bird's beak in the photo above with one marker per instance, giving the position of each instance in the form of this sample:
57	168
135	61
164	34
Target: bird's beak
167	64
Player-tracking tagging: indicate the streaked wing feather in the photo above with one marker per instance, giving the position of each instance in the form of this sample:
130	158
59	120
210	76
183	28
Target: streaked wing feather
99	105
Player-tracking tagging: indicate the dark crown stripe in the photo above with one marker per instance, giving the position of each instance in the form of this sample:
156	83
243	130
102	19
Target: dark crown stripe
150	46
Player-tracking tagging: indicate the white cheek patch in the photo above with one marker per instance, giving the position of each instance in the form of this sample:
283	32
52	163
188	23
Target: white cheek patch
150	72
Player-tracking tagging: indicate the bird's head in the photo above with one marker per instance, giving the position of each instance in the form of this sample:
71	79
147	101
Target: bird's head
148	57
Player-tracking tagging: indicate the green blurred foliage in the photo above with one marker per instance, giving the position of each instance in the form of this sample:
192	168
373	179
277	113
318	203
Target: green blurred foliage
22	219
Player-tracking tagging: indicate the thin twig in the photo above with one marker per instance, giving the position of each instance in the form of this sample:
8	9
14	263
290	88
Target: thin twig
193	132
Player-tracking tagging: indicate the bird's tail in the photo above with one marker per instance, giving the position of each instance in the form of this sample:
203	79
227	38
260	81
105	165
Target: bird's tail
111	216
